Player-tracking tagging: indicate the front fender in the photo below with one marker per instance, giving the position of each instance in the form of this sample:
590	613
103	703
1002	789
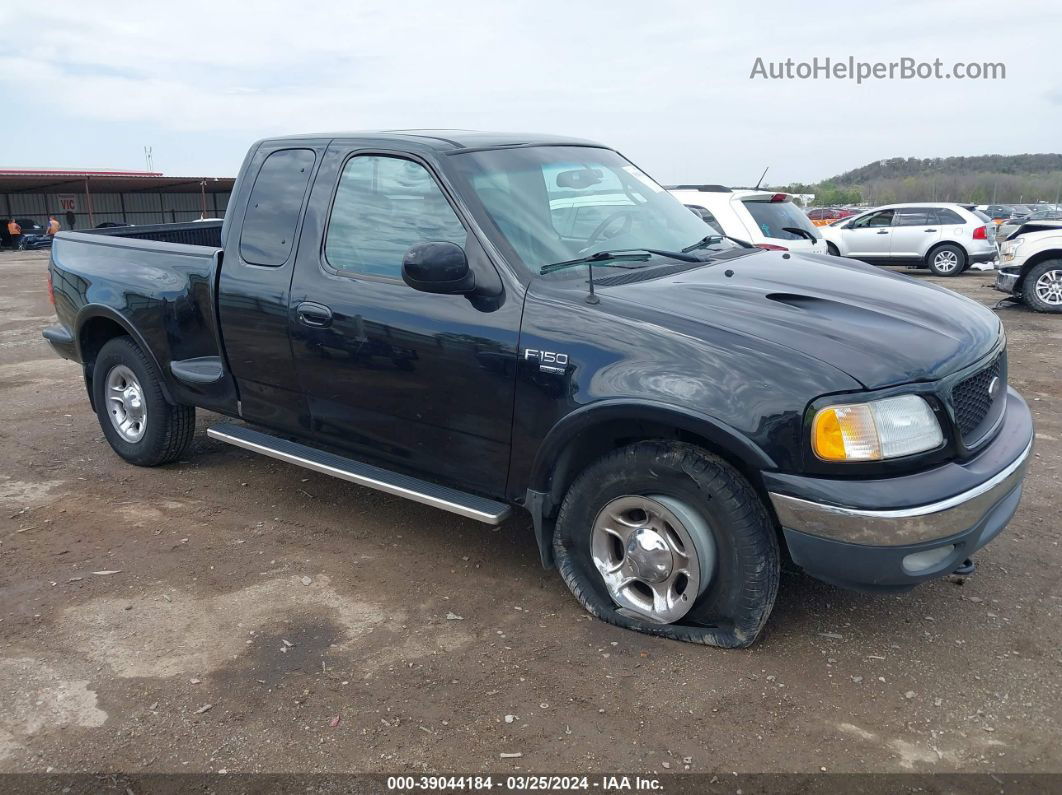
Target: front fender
544	492
727	439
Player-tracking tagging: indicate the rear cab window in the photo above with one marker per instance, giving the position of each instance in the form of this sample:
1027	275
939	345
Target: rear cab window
274	206
772	218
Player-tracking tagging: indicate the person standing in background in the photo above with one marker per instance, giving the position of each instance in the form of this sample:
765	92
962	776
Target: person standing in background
53	226
71	219
14	231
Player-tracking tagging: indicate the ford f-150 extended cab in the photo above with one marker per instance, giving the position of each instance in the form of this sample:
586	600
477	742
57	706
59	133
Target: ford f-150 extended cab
482	322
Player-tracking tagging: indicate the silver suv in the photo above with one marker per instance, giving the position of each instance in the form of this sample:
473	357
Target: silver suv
946	238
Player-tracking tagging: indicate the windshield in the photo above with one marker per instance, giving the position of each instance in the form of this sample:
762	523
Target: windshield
772	218
558	203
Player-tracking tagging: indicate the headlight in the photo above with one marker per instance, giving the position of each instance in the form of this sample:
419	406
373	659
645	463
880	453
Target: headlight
888	428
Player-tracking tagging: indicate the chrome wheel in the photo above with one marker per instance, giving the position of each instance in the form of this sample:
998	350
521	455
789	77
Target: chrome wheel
655	555
946	260
1049	287
125	403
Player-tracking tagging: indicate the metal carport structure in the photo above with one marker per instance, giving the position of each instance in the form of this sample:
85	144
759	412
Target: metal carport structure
81	198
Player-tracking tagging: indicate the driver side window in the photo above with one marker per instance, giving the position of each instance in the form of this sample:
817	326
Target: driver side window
874	220
383	206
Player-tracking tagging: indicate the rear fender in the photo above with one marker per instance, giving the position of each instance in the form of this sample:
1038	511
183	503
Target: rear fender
93	311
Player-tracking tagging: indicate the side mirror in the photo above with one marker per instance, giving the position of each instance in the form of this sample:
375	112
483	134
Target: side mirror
438	267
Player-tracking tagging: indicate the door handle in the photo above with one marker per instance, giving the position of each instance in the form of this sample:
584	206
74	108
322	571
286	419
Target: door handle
883	232
316	315
930	230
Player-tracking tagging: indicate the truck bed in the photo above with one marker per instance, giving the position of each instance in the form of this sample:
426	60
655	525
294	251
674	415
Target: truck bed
157	282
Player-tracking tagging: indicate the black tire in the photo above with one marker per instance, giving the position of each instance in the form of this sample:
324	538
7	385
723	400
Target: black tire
732	610
831	249
168	428
946	260
1028	289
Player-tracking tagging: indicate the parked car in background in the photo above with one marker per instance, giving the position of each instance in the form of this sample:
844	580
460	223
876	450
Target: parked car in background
33	235
1009	227
823	216
997	212
1031	265
766	219
946	238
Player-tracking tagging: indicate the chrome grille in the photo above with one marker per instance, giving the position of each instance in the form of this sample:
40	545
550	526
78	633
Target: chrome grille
975	409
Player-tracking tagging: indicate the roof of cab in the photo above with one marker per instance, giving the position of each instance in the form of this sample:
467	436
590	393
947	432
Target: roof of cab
448	140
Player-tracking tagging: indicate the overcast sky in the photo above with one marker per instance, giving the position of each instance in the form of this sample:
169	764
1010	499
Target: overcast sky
88	84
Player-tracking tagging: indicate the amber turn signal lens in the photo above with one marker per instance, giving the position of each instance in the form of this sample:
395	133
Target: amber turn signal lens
845	433
889	428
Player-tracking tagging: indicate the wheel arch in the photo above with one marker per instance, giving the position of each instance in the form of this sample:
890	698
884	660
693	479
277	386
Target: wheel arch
96	326
590	432
1034	260
932	249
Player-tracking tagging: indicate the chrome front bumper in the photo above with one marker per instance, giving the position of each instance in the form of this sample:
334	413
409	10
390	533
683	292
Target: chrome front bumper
1006	282
904	526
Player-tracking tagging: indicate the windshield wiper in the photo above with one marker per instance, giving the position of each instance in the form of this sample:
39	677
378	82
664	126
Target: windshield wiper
606	259
708	240
796	230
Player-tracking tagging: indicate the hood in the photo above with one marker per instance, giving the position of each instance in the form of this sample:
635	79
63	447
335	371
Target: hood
878	327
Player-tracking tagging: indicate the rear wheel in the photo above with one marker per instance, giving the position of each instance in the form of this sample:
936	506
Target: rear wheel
1042	288
665	538
947	260
140	424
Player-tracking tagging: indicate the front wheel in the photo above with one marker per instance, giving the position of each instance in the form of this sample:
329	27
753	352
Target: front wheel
947	260
665	538
831	249
140	424
1042	288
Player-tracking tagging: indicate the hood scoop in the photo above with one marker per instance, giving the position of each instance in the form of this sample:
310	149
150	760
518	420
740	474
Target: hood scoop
856	313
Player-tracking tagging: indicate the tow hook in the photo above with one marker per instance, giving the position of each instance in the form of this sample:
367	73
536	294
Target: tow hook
966	568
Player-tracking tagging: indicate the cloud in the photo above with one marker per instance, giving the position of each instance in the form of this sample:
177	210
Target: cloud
668	82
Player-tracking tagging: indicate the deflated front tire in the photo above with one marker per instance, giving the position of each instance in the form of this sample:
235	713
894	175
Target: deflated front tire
665	538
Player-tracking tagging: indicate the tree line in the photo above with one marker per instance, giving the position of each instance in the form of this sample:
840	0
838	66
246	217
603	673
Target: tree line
986	179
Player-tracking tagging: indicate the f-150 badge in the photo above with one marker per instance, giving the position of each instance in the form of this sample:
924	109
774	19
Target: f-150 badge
548	361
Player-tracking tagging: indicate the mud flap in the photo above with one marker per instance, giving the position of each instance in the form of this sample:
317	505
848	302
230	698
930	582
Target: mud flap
540	506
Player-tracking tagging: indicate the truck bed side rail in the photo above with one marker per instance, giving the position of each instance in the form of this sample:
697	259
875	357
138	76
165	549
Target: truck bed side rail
194	233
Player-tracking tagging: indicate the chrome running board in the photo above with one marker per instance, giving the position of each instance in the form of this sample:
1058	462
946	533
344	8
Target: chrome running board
470	506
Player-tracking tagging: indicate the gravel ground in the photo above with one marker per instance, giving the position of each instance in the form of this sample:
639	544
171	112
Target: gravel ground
230	612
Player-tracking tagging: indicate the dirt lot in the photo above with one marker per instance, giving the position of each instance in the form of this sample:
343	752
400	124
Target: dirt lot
234	613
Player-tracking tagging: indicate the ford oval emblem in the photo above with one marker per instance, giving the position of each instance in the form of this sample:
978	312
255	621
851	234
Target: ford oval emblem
995	386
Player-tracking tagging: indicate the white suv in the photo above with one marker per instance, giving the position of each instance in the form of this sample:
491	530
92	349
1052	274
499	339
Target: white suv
765	219
946	238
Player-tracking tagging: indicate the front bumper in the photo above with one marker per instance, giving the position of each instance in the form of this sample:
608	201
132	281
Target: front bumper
1007	280
891	534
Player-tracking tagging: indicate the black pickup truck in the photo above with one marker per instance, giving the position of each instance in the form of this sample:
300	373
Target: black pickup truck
482	322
